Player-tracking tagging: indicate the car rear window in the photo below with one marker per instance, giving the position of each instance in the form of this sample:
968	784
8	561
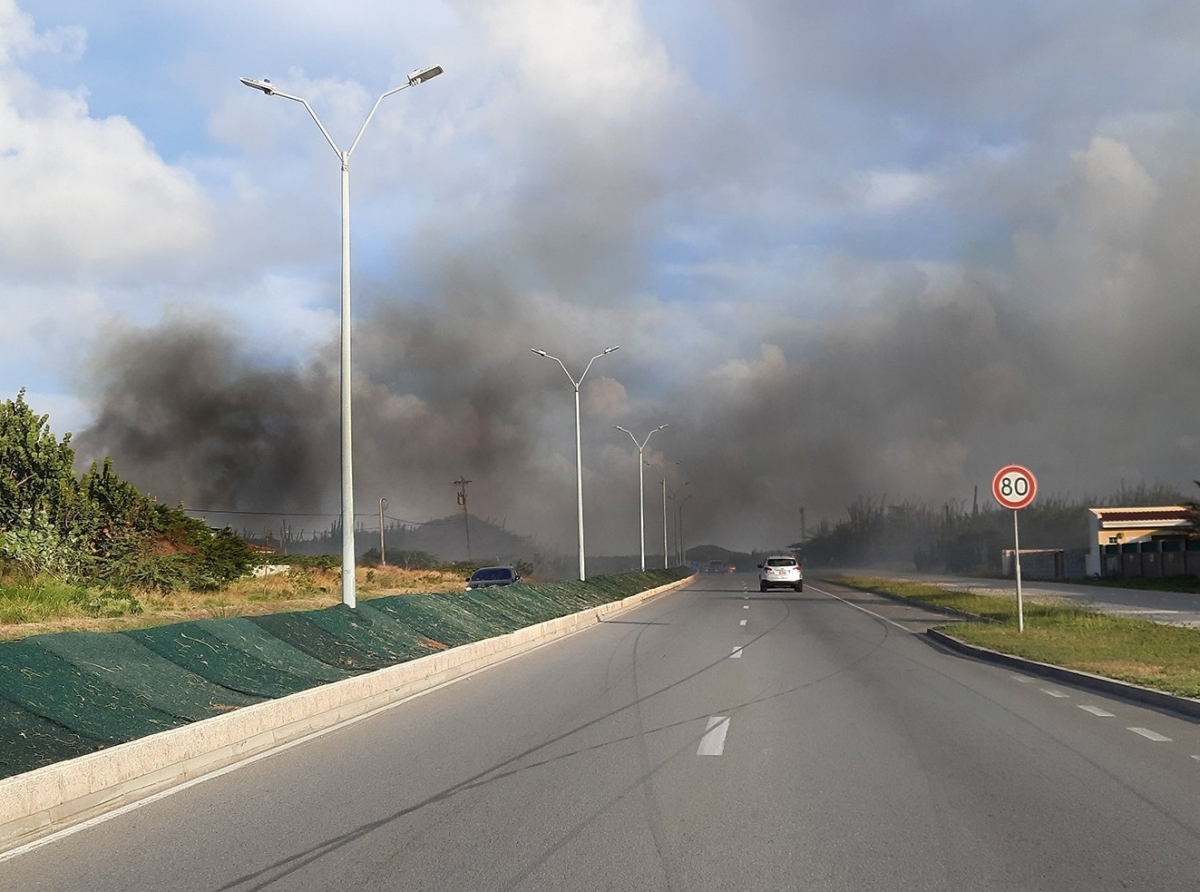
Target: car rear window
780	562
492	575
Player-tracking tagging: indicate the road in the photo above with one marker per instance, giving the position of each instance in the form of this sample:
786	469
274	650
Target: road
715	739
1173	608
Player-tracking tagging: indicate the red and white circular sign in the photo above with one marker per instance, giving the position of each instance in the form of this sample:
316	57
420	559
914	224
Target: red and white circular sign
1014	486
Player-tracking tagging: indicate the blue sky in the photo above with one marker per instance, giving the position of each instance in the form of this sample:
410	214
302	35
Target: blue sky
847	248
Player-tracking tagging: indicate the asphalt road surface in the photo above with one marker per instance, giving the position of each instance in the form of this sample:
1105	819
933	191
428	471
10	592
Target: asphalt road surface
715	739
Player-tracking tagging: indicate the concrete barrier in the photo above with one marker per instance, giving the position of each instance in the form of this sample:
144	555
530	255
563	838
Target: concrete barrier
48	799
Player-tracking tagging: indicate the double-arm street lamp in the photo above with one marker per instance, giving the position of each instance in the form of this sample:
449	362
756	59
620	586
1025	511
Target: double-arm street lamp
265	86
641	486
578	446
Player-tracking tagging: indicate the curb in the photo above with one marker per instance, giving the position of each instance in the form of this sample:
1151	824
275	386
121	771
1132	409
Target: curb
45	800
1185	707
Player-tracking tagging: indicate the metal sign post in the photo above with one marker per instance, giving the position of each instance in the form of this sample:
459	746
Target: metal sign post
1014	488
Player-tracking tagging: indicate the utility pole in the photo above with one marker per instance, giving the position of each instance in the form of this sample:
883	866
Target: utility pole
461	483
382	546
803	535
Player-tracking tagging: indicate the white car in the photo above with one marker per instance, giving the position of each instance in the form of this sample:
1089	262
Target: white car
780	571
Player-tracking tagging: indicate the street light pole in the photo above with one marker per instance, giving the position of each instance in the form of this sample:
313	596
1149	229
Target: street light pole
578	441
265	86
641	487
382	546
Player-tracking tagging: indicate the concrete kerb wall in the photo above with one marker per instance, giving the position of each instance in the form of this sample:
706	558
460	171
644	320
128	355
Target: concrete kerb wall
40	802
1182	706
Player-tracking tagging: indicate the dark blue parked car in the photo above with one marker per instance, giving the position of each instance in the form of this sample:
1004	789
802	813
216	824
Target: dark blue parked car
485	577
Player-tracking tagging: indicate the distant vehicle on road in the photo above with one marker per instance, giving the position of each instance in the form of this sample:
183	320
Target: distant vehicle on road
780	571
715	567
488	577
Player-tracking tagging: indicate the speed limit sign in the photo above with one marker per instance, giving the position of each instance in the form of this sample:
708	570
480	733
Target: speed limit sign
1014	487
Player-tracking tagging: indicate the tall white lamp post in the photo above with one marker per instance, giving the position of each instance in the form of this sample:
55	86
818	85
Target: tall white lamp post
417	77
578	446
641	486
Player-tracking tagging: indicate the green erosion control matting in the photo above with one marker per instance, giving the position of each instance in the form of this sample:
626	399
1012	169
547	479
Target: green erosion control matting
197	650
385	641
439	617
71	693
46	684
124	663
245	635
303	634
29	741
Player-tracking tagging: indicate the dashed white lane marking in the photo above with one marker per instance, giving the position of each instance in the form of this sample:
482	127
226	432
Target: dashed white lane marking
742	623
1150	735
1053	693
1022	679
713	741
1095	710
737	654
1197	758
746	607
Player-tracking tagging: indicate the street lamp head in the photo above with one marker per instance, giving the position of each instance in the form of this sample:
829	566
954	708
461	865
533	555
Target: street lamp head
538	352
610	350
424	74
264	85
618	427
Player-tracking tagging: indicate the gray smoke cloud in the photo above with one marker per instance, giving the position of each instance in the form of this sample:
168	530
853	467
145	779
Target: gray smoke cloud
1046	316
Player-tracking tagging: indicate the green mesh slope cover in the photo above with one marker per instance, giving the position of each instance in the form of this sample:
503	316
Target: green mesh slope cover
29	741
440	617
124	663
527	602
497	617
258	643
48	685
381	638
198	651
303	634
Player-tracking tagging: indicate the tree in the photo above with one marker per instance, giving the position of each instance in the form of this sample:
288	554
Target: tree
37	472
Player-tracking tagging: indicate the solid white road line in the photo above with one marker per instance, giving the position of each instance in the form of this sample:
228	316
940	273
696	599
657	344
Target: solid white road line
863	609
1150	735
713	741
737	654
1059	694
1095	710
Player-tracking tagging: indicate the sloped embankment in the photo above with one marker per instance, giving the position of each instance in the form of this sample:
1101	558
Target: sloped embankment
71	693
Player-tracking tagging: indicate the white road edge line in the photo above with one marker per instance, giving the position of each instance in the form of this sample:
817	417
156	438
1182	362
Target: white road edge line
1150	735
1053	693
863	609
1095	710
713	741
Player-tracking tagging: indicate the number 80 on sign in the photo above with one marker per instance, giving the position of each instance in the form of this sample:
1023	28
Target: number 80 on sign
1014	487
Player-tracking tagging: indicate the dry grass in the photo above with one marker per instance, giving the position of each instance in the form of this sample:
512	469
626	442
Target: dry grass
298	589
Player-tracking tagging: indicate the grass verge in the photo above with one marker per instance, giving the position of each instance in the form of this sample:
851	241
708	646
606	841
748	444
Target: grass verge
38	606
1132	650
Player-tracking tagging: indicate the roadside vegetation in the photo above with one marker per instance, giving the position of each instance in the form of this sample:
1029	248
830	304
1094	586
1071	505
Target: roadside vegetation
963	536
1131	650
89	551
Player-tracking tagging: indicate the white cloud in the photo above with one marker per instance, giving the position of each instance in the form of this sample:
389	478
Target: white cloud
82	195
